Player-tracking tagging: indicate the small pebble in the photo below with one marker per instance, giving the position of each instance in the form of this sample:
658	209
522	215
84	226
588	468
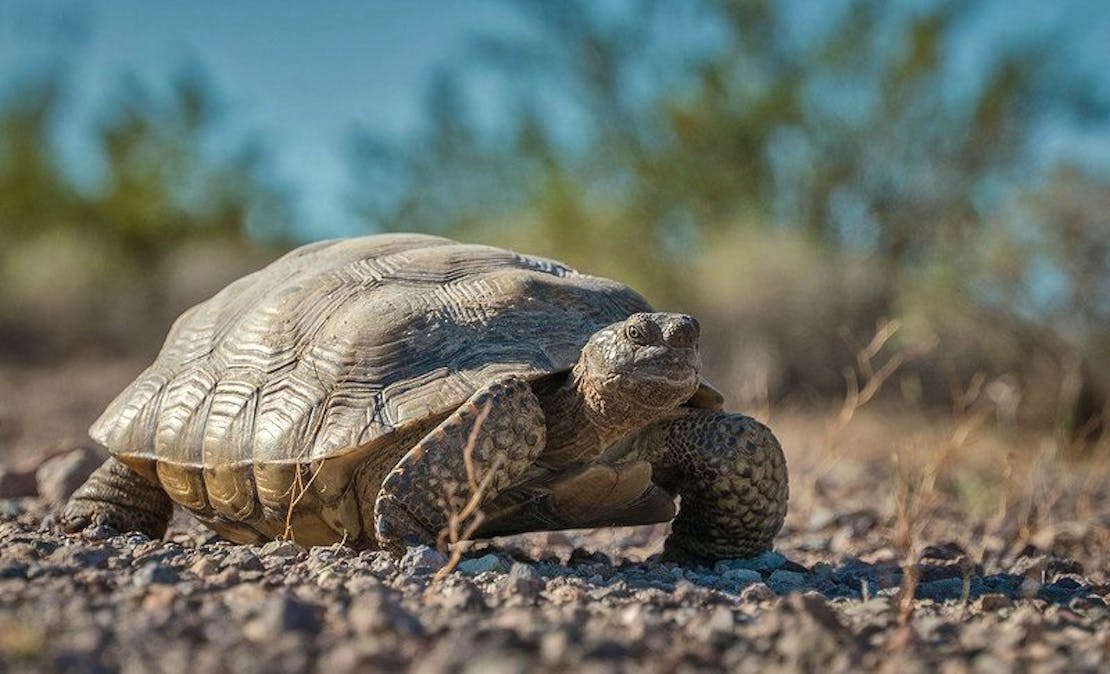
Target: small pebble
204	567
154	573
477	565
993	602
757	592
783	582
523	580
376	612
281	549
243	559
765	562
282	613
941	590
461	596
741	576
422	560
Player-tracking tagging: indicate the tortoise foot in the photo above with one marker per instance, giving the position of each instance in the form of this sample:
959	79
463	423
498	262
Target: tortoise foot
119	497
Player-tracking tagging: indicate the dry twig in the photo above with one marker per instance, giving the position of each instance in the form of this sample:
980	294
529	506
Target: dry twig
454	533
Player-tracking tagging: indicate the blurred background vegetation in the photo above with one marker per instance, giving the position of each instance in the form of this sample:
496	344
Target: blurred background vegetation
790	183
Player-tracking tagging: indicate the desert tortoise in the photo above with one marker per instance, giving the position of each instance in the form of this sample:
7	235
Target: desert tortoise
363	390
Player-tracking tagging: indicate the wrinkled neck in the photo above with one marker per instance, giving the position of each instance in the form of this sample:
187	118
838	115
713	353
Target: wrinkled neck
581	423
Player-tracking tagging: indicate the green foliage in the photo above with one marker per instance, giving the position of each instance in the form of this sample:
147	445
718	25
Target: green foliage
83	264
159	186
711	146
32	187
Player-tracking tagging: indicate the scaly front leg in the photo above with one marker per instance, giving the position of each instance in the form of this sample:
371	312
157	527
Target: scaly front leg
731	474
476	453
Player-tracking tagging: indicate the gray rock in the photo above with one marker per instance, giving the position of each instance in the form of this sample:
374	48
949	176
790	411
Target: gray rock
221	580
83	557
993	602
719	621
204	567
490	562
822	570
757	592
741	577
361	584
59	476
422	560
940	590
242	558
1029	587
376	612
461	596
154	573
281	549
283	613
328	559
99	532
13	570
764	563
783	582
1056	593
524	580
383	564
1032	566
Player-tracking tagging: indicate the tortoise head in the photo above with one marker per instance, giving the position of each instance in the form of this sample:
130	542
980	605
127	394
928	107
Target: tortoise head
641	366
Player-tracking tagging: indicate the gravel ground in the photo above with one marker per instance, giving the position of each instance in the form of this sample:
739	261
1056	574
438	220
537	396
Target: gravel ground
1023	589
102	601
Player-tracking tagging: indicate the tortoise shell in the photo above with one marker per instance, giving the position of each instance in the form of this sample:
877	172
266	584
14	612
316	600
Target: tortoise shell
338	351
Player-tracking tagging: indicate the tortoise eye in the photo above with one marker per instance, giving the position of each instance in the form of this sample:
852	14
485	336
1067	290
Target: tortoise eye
635	333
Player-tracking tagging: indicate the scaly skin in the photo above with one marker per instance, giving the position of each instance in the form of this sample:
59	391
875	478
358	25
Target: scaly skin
731	474
431	481
121	498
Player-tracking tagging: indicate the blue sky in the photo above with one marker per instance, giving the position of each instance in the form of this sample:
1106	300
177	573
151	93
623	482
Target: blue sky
302	75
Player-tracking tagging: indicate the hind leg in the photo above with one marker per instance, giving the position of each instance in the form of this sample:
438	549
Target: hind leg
474	455
121	498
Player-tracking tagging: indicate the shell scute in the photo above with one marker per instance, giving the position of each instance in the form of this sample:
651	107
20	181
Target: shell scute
345	345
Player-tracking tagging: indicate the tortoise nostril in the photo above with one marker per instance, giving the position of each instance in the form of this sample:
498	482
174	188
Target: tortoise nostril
682	332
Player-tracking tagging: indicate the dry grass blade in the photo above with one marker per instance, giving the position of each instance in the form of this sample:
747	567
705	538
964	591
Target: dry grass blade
468	450
916	497
297	490
856	396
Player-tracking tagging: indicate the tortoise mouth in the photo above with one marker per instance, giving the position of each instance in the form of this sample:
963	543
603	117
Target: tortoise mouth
673	367
661	390
672	379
